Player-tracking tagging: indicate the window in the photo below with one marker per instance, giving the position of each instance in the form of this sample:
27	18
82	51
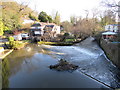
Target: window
36	32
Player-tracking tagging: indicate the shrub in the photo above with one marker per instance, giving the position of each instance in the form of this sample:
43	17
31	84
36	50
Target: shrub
69	40
56	43
15	44
11	38
47	43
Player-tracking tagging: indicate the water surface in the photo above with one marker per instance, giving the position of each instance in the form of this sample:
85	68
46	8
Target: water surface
28	67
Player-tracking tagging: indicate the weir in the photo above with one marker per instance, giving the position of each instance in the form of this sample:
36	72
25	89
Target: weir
31	68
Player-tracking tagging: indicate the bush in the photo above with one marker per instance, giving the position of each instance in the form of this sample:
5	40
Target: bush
69	40
15	44
66	34
11	38
47	43
56	43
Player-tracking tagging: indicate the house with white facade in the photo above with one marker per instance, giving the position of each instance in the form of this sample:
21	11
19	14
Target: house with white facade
17	37
28	21
41	29
111	31
53	29
112	28
36	30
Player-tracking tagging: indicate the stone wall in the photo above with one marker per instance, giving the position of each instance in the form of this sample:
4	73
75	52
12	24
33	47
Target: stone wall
112	51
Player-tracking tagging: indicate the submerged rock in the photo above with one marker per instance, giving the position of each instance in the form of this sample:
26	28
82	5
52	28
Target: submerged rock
63	65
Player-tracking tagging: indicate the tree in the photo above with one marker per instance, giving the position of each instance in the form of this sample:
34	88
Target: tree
10	17
108	17
50	19
32	17
1	28
57	19
67	26
112	5
13	14
43	17
73	20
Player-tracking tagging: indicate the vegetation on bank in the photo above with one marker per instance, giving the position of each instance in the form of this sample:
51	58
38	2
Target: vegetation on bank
13	14
56	43
12	44
63	42
16	45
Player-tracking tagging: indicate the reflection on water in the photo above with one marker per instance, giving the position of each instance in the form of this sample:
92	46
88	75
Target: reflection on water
29	68
5	73
0	74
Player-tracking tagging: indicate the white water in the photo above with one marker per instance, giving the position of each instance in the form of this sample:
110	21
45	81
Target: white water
91	60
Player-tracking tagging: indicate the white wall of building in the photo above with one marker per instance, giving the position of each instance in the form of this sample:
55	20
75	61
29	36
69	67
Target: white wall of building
113	28
17	37
27	21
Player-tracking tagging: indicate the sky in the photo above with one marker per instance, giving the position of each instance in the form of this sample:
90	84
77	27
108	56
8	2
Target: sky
65	8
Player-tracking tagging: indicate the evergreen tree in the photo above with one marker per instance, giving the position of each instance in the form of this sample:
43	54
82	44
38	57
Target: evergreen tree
43	17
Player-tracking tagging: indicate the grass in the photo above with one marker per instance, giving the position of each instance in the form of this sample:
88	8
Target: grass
47	43
56	43
25	41
69	40
66	42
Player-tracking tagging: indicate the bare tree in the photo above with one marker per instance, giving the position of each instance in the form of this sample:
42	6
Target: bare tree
112	5
87	14
95	12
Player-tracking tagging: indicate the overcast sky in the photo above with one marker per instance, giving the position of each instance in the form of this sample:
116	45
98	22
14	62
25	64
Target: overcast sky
66	8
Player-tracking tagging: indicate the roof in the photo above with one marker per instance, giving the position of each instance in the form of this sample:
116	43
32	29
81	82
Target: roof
36	25
51	26
109	33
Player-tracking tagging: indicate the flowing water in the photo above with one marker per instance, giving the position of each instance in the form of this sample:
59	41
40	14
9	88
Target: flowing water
29	67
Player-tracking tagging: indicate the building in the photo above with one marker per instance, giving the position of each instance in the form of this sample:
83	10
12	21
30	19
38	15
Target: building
17	37
52	29
40	29
109	35
25	36
112	27
27	21
36	30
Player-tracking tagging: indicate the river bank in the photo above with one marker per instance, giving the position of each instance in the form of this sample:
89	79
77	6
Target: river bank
111	50
7	50
5	53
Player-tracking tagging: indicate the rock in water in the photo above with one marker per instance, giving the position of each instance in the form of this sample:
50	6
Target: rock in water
63	65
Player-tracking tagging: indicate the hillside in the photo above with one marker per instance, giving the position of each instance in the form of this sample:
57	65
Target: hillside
13	14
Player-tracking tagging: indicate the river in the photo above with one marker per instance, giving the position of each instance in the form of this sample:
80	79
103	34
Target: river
29	67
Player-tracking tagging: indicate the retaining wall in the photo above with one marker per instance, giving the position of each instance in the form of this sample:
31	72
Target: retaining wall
112	51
